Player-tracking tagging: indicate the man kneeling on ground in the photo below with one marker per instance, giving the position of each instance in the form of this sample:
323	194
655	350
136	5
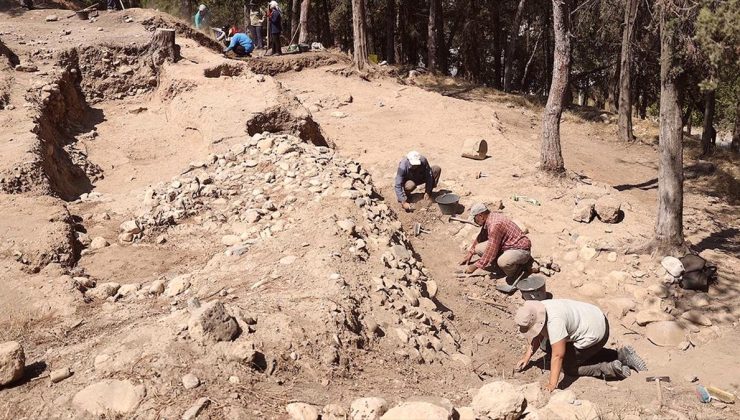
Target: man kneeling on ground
240	43
501	241
573	334
414	170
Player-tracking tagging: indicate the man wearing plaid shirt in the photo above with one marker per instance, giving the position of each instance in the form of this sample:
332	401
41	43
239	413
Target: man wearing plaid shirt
501	241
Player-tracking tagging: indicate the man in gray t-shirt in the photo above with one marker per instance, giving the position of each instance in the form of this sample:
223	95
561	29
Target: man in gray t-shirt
573	333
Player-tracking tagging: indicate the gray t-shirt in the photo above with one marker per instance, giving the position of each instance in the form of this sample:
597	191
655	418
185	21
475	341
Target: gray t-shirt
580	323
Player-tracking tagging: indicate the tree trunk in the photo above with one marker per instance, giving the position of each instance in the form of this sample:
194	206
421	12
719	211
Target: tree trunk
735	145
551	157
669	224
496	13
369	32
522	84
398	37
624	122
358	32
295	15
432	47
162	47
303	37
390	31
511	46
708	134
326	36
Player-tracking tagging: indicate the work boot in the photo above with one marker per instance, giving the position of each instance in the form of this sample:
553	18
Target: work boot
628	356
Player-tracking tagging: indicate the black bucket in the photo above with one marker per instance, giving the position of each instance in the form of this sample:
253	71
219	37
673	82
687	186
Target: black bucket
533	288
448	203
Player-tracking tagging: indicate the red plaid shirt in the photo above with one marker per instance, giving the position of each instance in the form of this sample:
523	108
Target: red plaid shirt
502	234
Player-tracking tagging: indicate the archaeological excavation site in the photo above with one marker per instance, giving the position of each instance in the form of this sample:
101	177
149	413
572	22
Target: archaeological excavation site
187	235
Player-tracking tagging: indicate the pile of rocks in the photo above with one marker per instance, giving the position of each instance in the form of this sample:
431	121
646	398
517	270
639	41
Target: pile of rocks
607	208
497	400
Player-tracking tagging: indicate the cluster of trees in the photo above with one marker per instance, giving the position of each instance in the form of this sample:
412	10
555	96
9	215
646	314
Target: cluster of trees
678	60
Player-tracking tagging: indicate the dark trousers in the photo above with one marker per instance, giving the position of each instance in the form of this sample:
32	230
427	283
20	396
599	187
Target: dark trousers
410	185
592	361
275	41
257	36
241	51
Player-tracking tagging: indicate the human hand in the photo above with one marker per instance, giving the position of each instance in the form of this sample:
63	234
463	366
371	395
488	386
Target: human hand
547	386
466	260
520	365
471	269
406	206
427	197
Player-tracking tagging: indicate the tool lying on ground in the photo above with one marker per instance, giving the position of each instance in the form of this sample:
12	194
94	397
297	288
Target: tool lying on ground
87	9
418	230
481	175
658	380
721	395
525	198
457	219
464	275
488	302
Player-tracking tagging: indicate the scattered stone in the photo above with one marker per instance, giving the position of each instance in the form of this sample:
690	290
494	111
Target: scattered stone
400	252
414	410
157	287
176	286
570	256
12	362
622	306
697	318
665	333
576	282
466	413
190	381
252	216
367	408
230	240
333	412
643	318
243	352
288	260
498	400
608	209
28	68
109	396
587	253
52	18
302	411
58	375
691	378
338	114
532	393
584	211
104	290
131	227
462	359
659	290
346	225
211	323
699	300
611	257
431	288
98	243
196	408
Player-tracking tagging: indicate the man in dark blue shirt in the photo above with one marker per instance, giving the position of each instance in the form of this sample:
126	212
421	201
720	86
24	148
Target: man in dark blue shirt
276	27
414	170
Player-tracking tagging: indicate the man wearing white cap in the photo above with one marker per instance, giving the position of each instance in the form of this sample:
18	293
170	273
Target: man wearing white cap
414	170
573	334
501	241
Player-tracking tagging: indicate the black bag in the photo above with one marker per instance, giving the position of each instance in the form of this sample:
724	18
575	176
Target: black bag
697	273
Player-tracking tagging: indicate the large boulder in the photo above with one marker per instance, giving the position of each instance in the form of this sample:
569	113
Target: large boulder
109	396
417	410
665	333
302	411
584	210
12	362
367	408
608	208
563	405
211	323
498	401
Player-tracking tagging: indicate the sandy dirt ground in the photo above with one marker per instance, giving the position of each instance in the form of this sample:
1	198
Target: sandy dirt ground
135	201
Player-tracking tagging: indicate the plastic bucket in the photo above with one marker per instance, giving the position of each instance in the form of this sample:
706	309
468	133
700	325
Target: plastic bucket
533	288
448	203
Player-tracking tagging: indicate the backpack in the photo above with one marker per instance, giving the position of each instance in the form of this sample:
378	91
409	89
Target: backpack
698	274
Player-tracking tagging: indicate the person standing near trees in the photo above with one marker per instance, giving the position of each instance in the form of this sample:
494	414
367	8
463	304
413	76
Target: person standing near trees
255	25
201	17
276	27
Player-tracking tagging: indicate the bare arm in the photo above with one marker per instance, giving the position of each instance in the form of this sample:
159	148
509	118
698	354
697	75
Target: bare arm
556	364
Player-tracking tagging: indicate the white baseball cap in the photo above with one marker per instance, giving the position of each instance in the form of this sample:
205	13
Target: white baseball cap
414	157
202	7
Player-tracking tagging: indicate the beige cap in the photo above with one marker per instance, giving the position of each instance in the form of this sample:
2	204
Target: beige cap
530	319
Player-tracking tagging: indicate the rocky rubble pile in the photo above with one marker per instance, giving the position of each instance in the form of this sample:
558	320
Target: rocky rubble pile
255	186
494	401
